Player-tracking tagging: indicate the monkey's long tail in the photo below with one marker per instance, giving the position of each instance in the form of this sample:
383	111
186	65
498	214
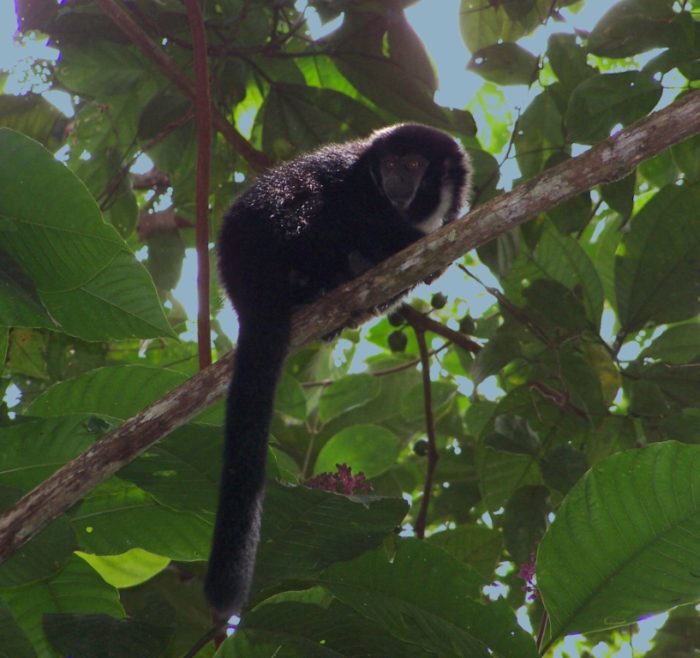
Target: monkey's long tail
262	346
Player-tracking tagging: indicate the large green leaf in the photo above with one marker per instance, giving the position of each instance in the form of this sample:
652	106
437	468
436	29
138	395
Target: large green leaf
79	635
539	134
601	102
426	597
118	516
101	69
624	542
20	303
45	555
77	588
79	265
368	449
563	259
15	643
290	628
483	22
657	263
568	60
296	118
505	64
476	545
305	530
34	116
182	470
347	393
631	27
33	449
93	392
678	344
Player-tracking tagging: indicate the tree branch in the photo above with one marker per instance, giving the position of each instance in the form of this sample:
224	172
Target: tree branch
202	104
422	518
606	162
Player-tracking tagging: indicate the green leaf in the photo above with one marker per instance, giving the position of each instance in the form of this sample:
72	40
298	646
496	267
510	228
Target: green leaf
678	344
33	449
27	353
505	64
635	518
15	643
347	393
102	69
181	471
78	636
524	521
118	516
686	155
78	263
679	637
567	57
4	344
290	399
127	569
77	588
512	434
539	134
602	253
93	392
475	545
166	253
563	259
497	353
676	387
443	393
657	262
33	116
296	117
631	27
305	530
304	630
368	449
563	467
661	170
426	597
44	556
483	22
603	101
619	195
502	473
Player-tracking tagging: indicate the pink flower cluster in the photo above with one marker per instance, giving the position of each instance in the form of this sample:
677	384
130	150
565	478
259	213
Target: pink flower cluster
343	481
527	573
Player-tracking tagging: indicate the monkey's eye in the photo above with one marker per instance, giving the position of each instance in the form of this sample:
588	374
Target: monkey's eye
390	162
414	163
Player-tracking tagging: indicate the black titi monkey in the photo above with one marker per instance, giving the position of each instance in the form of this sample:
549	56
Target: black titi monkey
302	229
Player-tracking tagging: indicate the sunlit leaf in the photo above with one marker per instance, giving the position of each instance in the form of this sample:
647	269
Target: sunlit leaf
635	518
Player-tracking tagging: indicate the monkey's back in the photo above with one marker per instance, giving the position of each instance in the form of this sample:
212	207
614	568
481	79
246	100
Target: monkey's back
288	236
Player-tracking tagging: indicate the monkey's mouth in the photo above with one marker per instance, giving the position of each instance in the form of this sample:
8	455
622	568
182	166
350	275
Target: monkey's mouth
401	203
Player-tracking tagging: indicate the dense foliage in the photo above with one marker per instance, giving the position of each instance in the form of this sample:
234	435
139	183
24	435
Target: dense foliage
555	474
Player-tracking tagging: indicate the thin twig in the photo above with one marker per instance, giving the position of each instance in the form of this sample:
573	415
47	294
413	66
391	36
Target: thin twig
417	319
422	518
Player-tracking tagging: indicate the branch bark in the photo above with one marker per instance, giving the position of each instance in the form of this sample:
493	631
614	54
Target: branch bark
606	162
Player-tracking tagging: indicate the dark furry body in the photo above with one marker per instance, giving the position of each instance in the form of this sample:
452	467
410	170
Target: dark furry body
302	229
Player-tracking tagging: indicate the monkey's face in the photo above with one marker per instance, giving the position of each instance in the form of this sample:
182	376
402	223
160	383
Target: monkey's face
401	176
